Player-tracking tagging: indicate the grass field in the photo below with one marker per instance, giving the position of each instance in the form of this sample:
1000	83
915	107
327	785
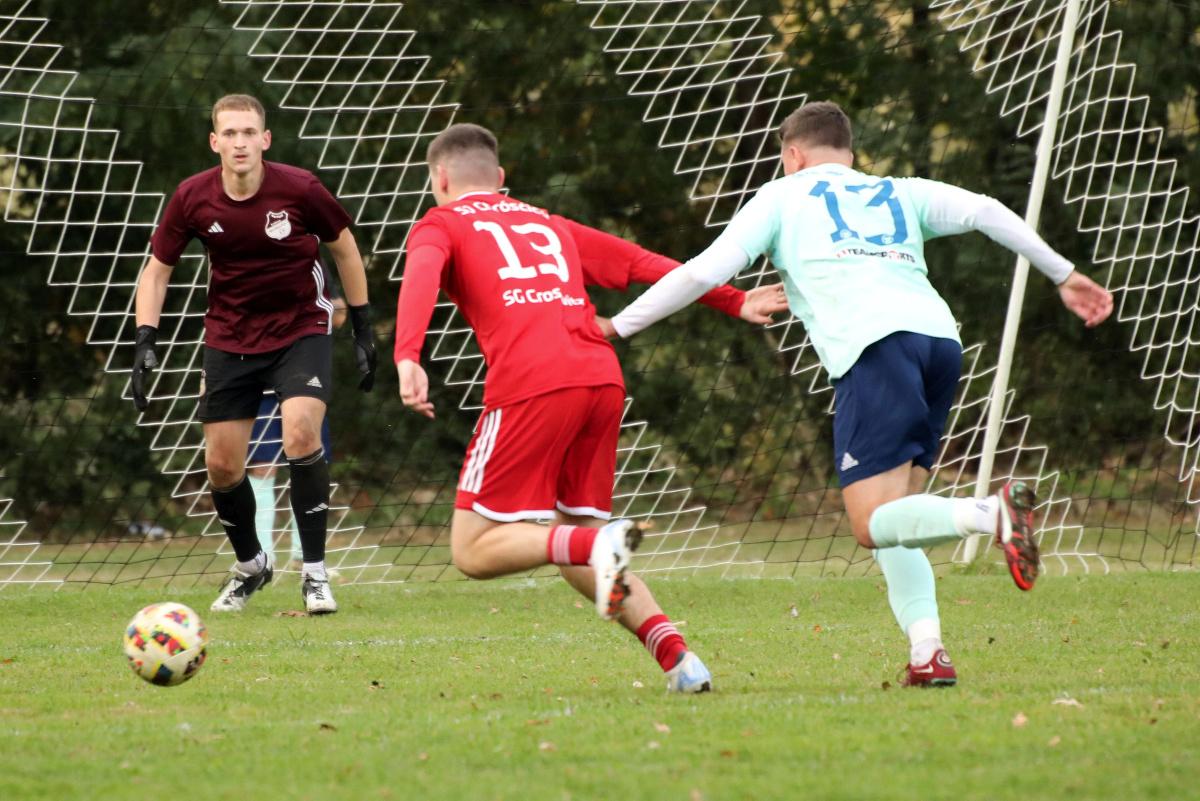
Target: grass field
1087	688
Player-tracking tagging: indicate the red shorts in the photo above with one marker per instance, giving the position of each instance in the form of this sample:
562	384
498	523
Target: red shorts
556	451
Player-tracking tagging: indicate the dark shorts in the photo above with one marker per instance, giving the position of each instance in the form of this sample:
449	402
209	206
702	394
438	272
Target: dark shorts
891	406
232	384
266	439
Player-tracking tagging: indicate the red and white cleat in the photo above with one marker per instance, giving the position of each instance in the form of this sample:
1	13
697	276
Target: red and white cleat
937	672
1014	534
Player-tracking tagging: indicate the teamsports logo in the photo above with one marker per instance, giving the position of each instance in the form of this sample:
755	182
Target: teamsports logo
278	226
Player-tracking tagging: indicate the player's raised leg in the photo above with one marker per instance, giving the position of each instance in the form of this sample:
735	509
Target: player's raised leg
643	617
302	416
226	445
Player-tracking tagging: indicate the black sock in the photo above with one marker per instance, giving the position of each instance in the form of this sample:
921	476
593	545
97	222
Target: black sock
235	509
310	502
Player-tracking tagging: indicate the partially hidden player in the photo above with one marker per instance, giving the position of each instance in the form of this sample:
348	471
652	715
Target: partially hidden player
268	326
546	444
850	247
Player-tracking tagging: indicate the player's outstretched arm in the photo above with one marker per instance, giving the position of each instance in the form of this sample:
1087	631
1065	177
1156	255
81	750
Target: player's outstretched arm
715	266
947	209
354	285
151	292
615	263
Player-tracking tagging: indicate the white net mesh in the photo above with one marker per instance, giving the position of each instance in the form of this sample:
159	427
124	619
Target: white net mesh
713	80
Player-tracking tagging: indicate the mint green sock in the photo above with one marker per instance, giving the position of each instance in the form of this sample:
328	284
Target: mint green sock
297	551
912	592
917	521
264	513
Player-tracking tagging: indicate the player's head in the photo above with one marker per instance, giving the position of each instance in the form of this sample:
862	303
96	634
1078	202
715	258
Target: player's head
463	158
815	133
240	133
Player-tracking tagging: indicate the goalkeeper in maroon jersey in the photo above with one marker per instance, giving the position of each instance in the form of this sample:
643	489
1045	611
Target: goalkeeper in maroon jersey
546	444
268	328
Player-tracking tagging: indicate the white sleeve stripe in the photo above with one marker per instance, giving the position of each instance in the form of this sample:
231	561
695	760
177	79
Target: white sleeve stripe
322	301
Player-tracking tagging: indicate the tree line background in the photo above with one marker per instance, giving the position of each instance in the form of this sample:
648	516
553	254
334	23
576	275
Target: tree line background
750	437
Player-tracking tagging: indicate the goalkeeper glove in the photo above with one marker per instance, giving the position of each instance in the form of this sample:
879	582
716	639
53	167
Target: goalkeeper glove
144	360
364	344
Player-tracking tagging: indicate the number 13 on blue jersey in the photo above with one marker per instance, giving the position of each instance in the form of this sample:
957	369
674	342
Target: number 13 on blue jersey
884	195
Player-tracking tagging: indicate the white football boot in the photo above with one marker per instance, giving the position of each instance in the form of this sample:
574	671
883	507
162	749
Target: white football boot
614	545
689	675
238	588
318	600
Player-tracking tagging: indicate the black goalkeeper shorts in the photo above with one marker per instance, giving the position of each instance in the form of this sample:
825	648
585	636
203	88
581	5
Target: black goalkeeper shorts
232	384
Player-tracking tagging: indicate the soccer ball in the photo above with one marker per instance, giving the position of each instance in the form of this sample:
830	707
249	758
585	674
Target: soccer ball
166	644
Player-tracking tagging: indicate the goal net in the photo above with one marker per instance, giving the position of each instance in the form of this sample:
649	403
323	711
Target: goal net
654	120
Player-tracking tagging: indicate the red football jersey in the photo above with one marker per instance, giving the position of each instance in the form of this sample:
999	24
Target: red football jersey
517	274
513	271
266	288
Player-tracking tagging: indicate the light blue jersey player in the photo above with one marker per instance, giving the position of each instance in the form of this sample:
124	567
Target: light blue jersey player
850	247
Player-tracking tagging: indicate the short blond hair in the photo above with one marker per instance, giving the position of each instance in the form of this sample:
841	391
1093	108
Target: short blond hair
238	103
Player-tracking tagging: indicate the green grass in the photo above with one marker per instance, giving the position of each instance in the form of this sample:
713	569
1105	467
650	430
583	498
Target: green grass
509	690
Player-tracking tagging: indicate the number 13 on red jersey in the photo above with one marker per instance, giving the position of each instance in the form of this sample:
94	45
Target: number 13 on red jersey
514	269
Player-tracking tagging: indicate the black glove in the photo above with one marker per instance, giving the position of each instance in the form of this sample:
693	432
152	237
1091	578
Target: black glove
364	344
144	360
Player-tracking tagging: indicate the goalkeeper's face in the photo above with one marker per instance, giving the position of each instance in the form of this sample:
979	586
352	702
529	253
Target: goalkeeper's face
240	140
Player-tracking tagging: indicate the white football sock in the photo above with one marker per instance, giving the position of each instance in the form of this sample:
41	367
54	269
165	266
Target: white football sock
254	566
926	637
315	569
973	516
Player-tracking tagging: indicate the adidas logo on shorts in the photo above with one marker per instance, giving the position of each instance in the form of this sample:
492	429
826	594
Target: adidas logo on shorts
316	382
848	461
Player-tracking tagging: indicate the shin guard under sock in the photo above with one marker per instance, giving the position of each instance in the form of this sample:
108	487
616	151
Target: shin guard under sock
310	502
235	509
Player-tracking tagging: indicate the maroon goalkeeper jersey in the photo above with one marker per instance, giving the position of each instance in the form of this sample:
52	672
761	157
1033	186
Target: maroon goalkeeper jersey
517	274
266	288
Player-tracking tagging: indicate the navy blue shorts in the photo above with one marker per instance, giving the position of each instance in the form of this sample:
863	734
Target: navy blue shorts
891	406
266	439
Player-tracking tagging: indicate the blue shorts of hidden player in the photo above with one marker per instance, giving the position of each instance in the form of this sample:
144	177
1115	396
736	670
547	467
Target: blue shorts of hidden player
891	407
266	439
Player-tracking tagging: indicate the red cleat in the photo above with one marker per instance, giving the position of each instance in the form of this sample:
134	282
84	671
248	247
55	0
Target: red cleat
1014	534
937	672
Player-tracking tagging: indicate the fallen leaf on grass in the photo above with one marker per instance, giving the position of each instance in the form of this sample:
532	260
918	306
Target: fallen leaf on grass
542	722
327	727
817	627
963	601
1067	639
816	597
423	757
1139	644
1020	720
795	613
887	685
728	753
837	656
9	659
1067	702
263	678
638	684
662	727
1157	705
292	613
696	795
652	744
1166	644
493	609
1153	721
547	746
680	623
1055	740
579	604
748	733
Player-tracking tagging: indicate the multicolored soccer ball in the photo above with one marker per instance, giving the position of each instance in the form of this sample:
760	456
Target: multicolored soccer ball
166	644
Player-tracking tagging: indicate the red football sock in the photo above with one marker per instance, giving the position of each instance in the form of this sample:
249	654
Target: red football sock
662	640
570	545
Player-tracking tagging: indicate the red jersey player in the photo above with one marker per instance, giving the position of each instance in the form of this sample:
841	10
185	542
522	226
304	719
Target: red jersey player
268	328
546	445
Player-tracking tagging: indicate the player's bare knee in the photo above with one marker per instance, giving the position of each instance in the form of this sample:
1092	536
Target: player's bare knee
466	560
862	531
223	471
300	440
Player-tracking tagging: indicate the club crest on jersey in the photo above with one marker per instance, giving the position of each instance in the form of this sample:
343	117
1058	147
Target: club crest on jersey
278	225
